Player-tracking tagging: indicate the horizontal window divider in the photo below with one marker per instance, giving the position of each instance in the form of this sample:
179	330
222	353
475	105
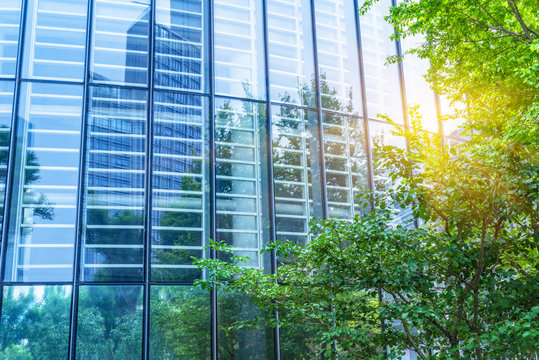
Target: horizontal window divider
177	228
112	246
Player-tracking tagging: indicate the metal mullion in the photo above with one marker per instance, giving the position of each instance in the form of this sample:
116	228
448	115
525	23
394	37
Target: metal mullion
52	81
270	183
239	98
212	180
368	148
11	153
80	194
321	157
148	180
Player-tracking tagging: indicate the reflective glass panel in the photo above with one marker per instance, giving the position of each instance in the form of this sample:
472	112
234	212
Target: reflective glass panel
55	39
239	48
46	174
113	222
180	45
382	80
10	17
35	322
6	103
382	134
238	145
180	200
295	149
290	51
418	91
338	55
345	162
179	323
109	323
120	41
244	344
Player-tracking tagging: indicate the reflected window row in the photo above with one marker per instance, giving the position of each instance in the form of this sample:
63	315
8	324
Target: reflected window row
35	323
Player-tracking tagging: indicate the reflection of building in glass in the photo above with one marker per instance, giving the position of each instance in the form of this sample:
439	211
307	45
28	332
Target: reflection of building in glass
148	128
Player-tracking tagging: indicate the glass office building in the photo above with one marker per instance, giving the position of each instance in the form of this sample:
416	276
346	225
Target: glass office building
131	131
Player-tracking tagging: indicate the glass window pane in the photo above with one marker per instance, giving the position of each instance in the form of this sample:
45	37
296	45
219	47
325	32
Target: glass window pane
290	51
46	174
109	323
245	344
6	104
295	149
338	63
239	48
35	322
239	143
55	39
382	80
181	55
418	91
10	17
113	228
180	200
179	323
345	162
120	42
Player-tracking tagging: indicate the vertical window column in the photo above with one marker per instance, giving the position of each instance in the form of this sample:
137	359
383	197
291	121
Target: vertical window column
43	204
113	221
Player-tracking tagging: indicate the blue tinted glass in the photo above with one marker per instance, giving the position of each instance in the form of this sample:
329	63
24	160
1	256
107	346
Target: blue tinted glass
120	41
382	80
290	50
179	323
179	195
109	323
46	173
248	344
6	103
114	187
238	144
345	162
10	14
418	91
338	55
55	39
239	48
180	45
295	144
35	322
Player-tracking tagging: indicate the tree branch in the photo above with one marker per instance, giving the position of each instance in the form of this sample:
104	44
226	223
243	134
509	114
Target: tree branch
525	28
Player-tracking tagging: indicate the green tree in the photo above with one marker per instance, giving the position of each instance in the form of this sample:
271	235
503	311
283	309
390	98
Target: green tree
464	283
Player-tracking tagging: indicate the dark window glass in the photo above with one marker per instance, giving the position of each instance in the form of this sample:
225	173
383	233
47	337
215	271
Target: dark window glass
295	152
109	323
179	323
382	80
46	173
179	193
6	104
338	55
345	162
55	39
120	42
113	233
255	343
35	322
239	48
239	142
290	50
10	17
180	45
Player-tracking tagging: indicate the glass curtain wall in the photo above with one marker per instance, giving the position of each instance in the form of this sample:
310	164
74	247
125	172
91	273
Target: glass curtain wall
117	116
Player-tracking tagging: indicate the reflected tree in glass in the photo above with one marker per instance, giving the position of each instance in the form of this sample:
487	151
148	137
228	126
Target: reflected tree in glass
179	323
35	322
109	323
